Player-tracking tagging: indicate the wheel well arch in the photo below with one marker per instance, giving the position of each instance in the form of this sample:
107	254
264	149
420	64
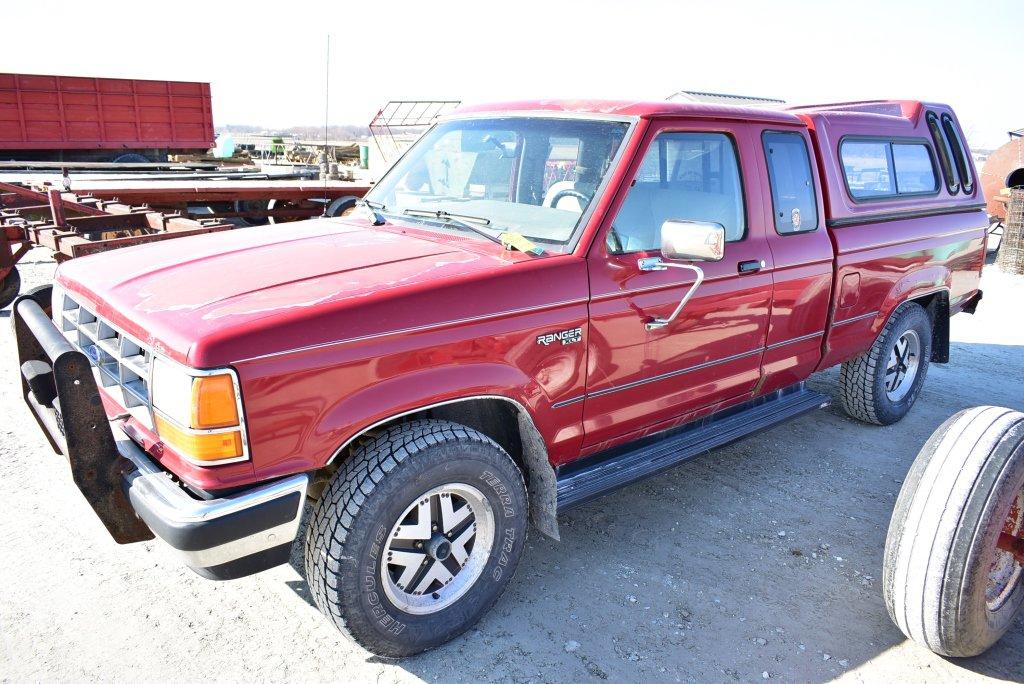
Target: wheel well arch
936	305
504	420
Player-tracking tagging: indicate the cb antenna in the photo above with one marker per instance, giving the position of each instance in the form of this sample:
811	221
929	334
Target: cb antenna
327	108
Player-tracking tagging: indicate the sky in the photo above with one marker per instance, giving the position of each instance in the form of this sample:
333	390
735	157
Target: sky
266	61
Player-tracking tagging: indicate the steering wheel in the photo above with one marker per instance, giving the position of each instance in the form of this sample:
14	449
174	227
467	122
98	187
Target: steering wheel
569	193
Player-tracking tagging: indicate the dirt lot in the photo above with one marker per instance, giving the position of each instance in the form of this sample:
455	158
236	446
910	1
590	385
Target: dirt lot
761	561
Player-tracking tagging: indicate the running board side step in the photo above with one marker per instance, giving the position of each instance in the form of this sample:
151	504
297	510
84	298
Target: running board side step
606	471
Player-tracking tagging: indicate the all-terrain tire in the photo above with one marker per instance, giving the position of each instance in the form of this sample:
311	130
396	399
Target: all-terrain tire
942	538
862	380
9	287
348	536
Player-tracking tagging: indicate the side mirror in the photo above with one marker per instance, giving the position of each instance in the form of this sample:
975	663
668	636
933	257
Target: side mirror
692	240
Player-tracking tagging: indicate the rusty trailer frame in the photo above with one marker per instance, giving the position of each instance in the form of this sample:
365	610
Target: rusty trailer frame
74	226
117	214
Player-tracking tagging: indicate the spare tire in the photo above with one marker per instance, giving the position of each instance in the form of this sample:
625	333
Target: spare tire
949	583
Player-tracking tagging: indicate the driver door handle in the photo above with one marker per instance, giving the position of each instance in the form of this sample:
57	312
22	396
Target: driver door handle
752	266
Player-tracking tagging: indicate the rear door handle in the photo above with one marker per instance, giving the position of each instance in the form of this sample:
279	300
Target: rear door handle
752	266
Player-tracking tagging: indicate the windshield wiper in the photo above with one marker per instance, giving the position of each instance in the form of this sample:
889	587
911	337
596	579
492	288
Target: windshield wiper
508	240
375	209
457	220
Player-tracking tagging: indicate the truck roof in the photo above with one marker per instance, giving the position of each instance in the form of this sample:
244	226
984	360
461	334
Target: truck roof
901	109
634	108
866	111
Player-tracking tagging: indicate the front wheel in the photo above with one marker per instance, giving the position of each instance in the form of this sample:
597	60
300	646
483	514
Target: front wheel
881	385
416	536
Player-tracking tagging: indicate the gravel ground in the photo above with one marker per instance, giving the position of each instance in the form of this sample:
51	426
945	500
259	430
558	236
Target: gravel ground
761	561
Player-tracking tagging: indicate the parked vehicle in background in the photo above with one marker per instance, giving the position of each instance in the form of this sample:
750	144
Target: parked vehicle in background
953	575
1003	171
539	303
73	118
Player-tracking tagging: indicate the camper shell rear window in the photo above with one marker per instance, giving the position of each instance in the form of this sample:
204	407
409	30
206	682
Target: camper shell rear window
963	164
945	154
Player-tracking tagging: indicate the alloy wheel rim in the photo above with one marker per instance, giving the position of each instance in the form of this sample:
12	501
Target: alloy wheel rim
1005	572
902	366
437	549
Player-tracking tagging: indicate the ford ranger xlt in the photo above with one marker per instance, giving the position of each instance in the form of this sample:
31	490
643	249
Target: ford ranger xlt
540	302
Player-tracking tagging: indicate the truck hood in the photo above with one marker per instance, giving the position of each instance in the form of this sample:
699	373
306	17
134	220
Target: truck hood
177	294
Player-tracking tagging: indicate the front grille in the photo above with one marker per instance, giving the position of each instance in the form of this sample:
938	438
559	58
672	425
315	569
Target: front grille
121	365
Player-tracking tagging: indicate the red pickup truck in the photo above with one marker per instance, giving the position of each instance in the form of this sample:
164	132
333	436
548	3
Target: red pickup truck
539	303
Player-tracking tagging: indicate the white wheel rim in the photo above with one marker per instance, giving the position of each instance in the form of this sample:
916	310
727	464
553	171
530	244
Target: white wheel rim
1005	572
901	368
437	549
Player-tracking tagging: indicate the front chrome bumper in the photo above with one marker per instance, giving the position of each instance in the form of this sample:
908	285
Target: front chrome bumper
220	538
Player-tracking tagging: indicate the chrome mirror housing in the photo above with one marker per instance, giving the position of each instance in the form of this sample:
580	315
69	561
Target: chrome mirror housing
692	240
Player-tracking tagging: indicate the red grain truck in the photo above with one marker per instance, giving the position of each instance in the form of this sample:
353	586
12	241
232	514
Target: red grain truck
73	118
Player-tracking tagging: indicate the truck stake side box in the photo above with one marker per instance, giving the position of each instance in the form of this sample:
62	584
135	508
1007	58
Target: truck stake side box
540	302
74	118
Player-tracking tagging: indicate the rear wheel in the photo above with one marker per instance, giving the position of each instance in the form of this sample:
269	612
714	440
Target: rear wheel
416	536
131	158
882	384
342	206
253	206
312	208
10	287
952	579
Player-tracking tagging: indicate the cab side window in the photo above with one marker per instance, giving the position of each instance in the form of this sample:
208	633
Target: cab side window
789	172
686	177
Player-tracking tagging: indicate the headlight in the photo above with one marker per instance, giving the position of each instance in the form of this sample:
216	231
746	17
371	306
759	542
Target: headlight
198	415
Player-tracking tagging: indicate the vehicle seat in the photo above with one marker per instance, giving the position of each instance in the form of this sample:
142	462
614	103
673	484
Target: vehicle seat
648	205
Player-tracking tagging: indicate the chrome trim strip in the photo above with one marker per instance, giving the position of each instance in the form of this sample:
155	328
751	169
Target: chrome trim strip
672	374
810	336
172	504
666	286
870	314
663	376
424	408
417	329
568	402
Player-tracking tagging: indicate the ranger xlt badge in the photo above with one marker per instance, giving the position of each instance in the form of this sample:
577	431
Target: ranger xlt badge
570	336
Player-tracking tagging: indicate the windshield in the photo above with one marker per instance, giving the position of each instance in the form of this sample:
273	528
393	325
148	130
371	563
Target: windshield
531	176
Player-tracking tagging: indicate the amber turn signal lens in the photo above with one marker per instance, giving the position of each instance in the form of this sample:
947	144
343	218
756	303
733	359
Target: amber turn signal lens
215	446
213	402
